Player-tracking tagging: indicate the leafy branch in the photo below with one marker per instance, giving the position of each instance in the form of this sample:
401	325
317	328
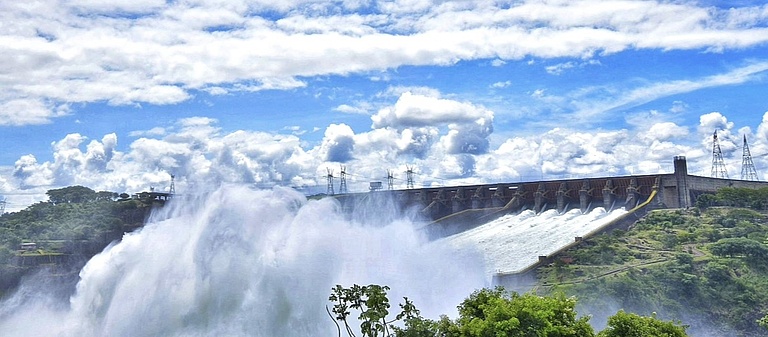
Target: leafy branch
372	303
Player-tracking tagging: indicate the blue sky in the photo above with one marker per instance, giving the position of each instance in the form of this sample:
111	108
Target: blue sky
119	96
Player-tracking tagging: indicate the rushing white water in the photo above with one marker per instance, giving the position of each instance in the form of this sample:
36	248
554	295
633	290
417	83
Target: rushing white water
239	262
514	242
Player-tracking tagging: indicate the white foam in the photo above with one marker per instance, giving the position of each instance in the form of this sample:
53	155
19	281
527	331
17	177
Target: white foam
239	262
514	242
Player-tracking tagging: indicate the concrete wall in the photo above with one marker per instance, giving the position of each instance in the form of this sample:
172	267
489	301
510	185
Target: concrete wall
680	190
675	190
585	194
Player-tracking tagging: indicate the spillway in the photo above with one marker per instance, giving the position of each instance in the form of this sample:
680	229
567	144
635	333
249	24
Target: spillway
513	242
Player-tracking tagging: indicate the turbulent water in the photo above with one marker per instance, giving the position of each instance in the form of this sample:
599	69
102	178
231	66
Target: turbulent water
239	262
514	242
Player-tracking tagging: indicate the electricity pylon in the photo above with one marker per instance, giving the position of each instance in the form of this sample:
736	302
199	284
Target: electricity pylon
409	177
748	171
330	181
718	165
343	178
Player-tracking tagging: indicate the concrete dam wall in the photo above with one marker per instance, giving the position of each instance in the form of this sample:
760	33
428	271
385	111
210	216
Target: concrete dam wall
455	209
443	204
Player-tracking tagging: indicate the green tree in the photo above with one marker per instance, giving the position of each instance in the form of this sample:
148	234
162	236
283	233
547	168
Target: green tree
105	196
499	313
372	303
730	247
485	313
71	194
624	324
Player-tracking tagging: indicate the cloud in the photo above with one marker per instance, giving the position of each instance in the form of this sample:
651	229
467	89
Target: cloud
17	112
762	130
338	143
419	119
361	110
654	91
197	152
27	171
666	131
470	138
157	52
678	107
414	110
153	132
589	104
559	68
714	121
500	85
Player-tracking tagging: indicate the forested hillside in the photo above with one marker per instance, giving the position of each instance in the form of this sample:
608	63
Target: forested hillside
75	223
706	266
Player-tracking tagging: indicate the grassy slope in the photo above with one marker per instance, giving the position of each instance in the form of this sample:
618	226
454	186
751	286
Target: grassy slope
665	264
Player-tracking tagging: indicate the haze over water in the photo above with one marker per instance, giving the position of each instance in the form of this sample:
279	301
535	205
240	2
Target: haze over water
240	262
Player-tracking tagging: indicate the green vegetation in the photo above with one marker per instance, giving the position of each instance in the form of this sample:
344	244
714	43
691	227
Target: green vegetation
756	199
486	313
632	325
75	220
708	264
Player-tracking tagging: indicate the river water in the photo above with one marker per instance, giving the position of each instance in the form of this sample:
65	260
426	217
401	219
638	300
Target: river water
243	262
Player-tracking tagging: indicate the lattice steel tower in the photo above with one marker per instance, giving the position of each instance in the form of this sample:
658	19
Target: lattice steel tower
330	181
2	207
748	171
343	178
390	180
409	177
718	164
172	189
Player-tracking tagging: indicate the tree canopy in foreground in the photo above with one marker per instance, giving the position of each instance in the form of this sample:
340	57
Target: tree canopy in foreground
485	313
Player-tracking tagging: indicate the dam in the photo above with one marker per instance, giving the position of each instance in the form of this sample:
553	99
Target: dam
567	211
471	202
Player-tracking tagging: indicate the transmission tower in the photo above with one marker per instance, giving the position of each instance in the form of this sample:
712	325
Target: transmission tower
409	177
2	207
172	189
343	178
748	171
390	180
718	165
330	181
